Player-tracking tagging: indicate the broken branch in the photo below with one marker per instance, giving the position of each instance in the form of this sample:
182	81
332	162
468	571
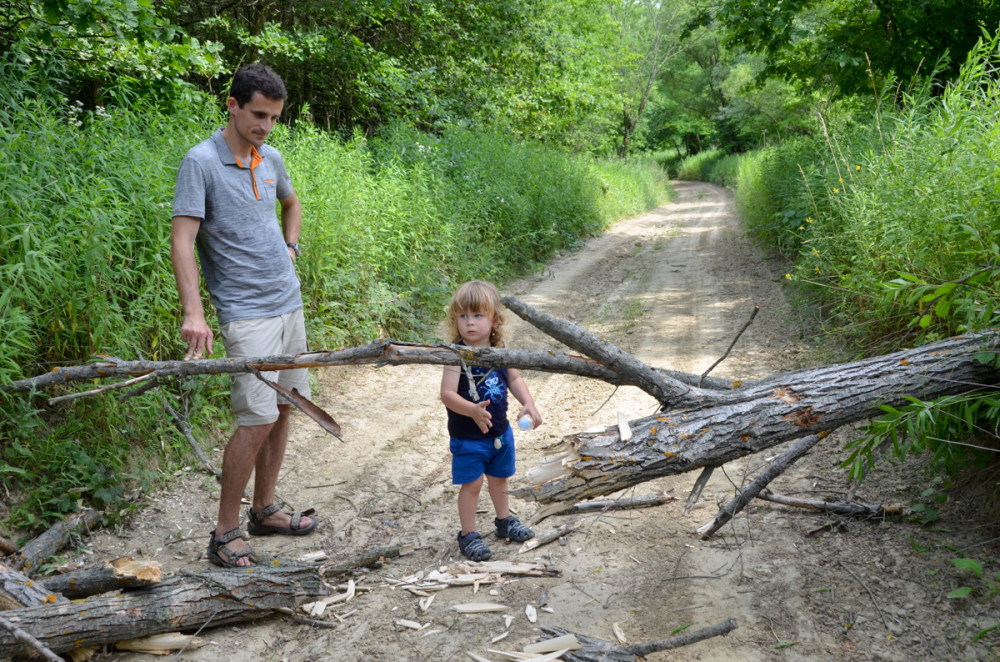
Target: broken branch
743	497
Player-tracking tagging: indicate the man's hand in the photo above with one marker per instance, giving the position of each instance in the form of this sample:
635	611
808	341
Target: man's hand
198	336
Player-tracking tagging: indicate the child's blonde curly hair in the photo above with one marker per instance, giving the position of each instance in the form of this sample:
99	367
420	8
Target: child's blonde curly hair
477	296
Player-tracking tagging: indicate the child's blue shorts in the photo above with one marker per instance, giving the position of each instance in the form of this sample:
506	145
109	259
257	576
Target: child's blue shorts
471	458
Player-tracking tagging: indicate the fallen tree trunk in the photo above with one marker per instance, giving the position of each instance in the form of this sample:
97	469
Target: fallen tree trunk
181	602
17	590
698	427
714	430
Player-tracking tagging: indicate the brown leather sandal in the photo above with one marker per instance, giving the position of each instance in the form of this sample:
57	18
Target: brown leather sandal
215	545
294	528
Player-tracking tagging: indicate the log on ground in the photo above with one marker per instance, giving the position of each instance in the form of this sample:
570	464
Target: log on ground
35	552
183	602
715	429
104	577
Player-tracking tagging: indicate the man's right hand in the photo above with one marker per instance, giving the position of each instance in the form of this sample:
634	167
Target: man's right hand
198	336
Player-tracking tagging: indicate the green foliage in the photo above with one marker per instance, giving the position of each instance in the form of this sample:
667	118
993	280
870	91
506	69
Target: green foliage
539	69
988	587
106	51
819	41
892	222
391	225
713	165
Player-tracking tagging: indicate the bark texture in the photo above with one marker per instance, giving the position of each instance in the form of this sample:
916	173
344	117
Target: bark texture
710	429
181	602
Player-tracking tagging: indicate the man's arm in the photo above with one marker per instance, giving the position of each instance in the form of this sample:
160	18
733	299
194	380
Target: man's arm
291	221
194	329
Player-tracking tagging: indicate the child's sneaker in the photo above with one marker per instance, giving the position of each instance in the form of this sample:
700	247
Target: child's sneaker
473	547
512	529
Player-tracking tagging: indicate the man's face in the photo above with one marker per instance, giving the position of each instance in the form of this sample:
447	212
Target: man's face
254	121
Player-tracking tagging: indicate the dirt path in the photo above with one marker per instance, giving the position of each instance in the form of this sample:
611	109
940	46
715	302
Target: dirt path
672	286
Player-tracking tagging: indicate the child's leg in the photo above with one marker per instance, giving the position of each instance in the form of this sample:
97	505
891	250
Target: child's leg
468	500
508	526
498	495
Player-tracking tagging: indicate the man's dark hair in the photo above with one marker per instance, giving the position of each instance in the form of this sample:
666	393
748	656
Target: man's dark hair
252	78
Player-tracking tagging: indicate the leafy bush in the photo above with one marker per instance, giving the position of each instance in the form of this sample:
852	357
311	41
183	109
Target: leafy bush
893	220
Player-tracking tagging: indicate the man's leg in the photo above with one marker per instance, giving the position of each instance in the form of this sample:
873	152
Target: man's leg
237	463
268	466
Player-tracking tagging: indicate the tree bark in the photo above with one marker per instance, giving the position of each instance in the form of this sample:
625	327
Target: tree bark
17	590
123	573
36	551
712	429
181	602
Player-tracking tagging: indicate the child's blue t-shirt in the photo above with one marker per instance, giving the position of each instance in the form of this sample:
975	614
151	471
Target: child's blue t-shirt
491	385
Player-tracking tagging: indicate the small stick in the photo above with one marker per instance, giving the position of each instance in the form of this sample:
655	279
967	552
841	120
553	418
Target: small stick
28	639
103	389
183	427
699	485
870	594
742	498
719	629
756	309
845	508
602	505
549	536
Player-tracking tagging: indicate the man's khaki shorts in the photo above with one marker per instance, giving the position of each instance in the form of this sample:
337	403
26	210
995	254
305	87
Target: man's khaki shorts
253	401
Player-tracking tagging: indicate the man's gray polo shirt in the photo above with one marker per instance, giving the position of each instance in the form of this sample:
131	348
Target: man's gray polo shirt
240	245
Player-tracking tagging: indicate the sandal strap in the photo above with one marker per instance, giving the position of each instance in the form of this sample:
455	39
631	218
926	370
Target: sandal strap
264	513
228	536
294	523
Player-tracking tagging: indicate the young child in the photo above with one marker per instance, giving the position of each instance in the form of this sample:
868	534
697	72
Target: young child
481	438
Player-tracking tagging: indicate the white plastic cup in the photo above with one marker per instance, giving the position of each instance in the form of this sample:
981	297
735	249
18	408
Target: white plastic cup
525	422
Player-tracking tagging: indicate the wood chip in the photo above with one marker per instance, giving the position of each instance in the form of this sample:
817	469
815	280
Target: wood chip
413	625
478	607
619	633
425	603
500	637
565	642
531	613
477	658
160	644
312	557
507	620
624	431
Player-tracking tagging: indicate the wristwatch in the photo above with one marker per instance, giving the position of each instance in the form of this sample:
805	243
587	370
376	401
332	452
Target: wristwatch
295	248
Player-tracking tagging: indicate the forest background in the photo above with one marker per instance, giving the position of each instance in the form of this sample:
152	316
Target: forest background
432	142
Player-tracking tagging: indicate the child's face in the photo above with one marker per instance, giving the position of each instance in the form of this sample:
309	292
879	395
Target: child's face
475	327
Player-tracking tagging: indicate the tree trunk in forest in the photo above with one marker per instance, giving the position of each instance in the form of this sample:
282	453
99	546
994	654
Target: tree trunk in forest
182	602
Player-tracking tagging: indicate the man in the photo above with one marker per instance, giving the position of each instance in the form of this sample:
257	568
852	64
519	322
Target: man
224	203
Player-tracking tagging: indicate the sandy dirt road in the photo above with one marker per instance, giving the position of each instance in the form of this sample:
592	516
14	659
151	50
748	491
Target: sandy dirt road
673	286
